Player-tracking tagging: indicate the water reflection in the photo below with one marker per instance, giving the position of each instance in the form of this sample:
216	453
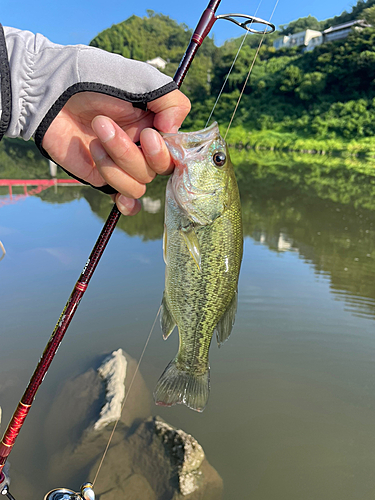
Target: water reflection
322	208
325	212
292	405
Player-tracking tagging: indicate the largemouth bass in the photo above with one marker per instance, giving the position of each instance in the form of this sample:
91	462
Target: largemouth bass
202	246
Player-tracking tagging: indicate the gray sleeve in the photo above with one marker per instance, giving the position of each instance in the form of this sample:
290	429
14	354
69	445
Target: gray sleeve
5	86
44	75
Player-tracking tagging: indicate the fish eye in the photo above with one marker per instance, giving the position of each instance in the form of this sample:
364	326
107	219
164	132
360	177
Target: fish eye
219	158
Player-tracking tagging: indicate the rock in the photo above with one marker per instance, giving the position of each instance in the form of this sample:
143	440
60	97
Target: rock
170	462
73	411
139	399
185	453
148	459
70	441
76	409
113	372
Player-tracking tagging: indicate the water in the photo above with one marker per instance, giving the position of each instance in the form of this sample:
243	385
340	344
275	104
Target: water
292	406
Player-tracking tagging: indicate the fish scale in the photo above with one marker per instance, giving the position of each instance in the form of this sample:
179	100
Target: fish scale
203	252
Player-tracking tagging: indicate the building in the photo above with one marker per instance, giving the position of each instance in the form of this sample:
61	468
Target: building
158	62
341	31
310	39
301	39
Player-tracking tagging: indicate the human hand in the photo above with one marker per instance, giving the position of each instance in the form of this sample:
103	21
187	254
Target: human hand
94	136
76	101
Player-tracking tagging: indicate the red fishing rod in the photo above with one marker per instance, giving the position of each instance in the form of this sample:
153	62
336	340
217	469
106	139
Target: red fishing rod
204	26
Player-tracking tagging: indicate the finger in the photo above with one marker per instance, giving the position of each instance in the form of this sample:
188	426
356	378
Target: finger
156	152
170	111
113	174
128	206
121	149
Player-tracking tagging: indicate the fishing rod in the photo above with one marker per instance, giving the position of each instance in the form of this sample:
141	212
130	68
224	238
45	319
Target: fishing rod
207	20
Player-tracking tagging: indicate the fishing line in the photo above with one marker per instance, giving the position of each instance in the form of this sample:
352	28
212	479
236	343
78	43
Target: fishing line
125	398
250	70
152	328
230	70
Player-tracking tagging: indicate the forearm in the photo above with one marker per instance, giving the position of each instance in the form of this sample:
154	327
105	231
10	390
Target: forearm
44	75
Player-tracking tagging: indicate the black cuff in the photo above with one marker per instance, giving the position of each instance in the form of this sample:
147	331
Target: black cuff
6	89
107	189
138	101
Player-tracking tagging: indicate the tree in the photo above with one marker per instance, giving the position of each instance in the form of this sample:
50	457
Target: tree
311	86
291	78
369	15
301	24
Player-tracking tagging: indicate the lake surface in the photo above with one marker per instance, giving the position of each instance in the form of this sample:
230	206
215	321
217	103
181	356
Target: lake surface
291	413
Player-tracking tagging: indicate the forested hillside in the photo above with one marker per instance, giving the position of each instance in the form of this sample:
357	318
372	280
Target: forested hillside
328	93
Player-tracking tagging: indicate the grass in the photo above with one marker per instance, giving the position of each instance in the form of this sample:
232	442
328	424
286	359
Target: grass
288	141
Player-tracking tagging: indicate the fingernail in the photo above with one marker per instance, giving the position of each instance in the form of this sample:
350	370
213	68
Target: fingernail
128	206
103	128
151	141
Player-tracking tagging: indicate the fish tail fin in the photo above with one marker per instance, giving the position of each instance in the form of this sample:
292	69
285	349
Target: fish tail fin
176	386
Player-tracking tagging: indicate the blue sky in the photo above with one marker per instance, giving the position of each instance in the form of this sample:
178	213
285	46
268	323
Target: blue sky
78	21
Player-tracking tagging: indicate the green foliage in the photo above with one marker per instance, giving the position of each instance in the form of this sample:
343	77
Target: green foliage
301	24
312	86
369	15
158	35
321	100
358	12
145	38
326	94
291	77
22	160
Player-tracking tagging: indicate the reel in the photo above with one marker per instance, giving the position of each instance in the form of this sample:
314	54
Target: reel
4	483
86	493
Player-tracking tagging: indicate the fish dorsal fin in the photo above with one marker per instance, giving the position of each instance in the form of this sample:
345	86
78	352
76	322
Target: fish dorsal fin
225	325
165	244
166	319
192	243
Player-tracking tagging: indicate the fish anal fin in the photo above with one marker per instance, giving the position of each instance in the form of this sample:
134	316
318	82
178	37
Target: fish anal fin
225	325
180	387
191	240
166	319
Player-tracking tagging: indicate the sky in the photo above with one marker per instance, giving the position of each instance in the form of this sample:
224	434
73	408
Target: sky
79	21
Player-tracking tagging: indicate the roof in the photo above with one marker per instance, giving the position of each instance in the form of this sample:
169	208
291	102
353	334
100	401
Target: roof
343	26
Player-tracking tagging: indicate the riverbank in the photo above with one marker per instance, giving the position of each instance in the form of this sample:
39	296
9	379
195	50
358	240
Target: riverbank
293	142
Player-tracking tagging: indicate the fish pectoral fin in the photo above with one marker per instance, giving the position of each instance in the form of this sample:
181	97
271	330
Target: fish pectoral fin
166	319
192	243
165	244
225	325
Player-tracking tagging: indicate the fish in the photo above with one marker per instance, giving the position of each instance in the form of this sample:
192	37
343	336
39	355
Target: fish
202	248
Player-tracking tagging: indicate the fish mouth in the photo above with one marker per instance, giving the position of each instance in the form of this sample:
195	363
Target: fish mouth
183	145
204	131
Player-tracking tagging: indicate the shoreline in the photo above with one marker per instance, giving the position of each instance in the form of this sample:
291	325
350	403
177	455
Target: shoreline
290	142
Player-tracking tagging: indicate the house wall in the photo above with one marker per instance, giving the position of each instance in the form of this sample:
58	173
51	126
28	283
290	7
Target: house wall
337	35
312	38
297	39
